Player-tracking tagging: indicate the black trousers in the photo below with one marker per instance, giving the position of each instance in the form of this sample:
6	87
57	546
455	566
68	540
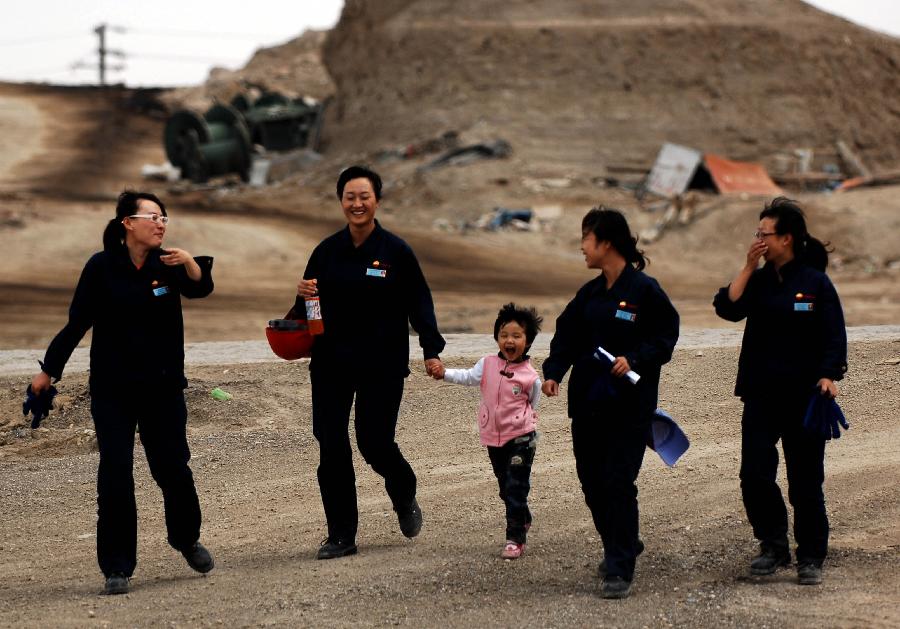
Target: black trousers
161	417
512	466
765	421
378	399
609	451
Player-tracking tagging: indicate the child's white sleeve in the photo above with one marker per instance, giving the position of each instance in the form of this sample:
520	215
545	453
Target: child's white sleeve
535	396
469	377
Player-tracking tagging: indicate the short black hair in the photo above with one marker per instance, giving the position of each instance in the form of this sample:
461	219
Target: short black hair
526	317
357	172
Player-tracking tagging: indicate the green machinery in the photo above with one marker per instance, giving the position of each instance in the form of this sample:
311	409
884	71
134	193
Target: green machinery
222	140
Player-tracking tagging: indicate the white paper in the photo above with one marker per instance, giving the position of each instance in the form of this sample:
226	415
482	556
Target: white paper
631	375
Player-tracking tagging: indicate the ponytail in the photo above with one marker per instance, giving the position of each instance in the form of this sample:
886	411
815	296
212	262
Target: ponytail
610	225
813	252
113	235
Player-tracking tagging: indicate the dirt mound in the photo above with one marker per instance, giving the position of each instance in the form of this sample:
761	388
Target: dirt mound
294	69
580	84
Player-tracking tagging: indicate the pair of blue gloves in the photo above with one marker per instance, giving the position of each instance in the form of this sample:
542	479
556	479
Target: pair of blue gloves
38	405
824	417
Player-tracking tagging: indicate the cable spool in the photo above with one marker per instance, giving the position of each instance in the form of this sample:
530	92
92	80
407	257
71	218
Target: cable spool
214	145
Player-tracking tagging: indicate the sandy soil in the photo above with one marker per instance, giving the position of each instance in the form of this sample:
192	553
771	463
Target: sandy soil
66	153
254	461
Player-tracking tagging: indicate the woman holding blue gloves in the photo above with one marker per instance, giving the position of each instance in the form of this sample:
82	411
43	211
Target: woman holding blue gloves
794	347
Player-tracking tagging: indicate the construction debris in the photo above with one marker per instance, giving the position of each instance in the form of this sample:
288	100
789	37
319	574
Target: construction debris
498	149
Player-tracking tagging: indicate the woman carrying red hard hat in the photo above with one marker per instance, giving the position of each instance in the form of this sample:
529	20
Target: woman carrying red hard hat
370	289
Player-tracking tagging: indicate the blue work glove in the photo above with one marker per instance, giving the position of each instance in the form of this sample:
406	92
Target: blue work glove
602	387
38	405
824	417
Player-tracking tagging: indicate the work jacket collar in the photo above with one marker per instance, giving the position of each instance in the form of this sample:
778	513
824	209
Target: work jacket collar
369	244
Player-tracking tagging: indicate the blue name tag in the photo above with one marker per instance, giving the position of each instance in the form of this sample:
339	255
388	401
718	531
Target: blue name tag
376	272
625	315
162	290
803	307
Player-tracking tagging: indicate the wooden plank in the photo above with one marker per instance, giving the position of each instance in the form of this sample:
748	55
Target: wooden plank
852	161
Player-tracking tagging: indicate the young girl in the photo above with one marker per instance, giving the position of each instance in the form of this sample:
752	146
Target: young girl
510	391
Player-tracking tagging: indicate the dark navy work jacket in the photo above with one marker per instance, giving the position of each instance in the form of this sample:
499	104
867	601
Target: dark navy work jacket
634	319
795	333
369	296
138	330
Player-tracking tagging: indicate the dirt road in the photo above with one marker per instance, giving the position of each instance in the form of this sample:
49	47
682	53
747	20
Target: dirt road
255	459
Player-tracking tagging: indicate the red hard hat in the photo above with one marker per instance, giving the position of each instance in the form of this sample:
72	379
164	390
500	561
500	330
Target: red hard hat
289	338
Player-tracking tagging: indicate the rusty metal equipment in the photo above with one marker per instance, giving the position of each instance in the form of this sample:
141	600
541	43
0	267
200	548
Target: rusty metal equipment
215	144
278	123
222	140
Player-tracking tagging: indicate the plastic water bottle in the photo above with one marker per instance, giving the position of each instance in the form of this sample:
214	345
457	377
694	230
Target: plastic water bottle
314	315
220	395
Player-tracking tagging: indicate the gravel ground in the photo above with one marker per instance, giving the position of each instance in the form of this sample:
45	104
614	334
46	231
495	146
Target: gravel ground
254	461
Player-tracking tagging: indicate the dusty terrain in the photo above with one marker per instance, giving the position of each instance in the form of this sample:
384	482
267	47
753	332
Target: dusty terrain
254	461
585	97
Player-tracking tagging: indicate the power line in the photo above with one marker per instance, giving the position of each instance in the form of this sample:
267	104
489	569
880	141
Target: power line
168	57
182	33
43	39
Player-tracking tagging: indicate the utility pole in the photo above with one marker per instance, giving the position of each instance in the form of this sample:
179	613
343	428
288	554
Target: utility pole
101	52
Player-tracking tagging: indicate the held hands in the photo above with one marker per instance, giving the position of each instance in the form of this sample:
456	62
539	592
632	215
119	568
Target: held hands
435	368
828	388
308	288
550	388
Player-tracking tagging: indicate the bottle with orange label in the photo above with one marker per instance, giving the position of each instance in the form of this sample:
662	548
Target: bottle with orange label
314	315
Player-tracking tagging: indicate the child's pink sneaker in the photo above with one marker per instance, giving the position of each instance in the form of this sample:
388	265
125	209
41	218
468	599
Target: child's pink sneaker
512	550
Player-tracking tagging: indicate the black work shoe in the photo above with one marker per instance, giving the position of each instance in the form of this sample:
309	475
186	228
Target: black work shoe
769	559
198	558
116	583
809	573
334	548
601	569
615	587
410	519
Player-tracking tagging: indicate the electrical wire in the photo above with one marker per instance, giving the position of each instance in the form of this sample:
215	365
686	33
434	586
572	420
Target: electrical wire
207	34
43	39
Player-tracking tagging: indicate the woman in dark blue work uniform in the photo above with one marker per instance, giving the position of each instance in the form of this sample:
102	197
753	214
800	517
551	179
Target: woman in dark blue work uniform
371	289
794	343
130	294
628	314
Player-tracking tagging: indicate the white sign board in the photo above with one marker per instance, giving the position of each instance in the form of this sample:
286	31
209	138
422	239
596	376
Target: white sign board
675	166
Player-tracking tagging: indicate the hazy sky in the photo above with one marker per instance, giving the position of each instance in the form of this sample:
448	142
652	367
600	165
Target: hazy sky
175	42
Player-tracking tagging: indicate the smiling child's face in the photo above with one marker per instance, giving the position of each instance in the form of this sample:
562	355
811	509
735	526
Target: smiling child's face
511	340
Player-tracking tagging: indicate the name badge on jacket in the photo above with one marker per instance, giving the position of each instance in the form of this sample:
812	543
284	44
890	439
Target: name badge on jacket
625	315
159	291
376	272
804	303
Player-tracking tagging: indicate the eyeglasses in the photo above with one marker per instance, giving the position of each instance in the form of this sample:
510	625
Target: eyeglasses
760	235
154	218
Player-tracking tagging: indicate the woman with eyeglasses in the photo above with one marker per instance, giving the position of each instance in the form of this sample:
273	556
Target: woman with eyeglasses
625	312
794	346
130	294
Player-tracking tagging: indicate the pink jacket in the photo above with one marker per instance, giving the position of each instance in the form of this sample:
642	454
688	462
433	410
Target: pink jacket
507	403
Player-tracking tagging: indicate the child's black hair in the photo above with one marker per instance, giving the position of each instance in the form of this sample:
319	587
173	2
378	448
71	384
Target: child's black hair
526	317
